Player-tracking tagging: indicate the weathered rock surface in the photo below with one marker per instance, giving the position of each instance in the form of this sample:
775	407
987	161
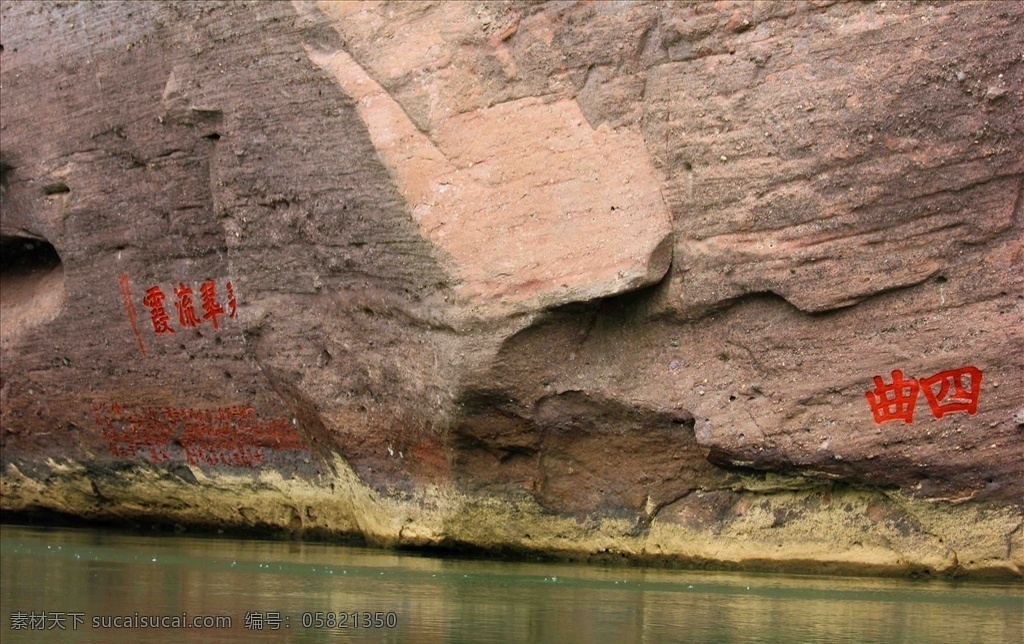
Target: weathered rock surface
594	279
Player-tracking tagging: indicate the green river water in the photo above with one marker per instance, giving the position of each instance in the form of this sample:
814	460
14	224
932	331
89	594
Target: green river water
85	585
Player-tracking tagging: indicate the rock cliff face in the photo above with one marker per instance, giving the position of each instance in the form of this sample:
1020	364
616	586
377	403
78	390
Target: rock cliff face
733	284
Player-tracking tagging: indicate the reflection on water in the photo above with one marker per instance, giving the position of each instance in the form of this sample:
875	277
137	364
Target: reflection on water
101	574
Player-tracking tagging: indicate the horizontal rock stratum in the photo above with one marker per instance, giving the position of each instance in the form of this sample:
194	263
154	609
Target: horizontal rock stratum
725	284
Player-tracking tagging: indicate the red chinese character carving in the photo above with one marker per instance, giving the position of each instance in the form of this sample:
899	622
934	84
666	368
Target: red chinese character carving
155	301
186	311
211	307
231	300
963	398
895	401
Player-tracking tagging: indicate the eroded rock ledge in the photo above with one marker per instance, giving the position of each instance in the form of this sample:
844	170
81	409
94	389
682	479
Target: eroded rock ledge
778	524
590	279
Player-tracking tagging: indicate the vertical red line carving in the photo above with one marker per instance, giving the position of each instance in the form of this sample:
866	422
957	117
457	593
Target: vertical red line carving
129	307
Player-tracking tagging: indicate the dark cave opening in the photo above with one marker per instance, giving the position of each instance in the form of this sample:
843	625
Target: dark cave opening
25	256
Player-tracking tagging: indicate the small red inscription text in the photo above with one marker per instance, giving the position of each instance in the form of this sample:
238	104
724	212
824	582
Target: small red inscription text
231	436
